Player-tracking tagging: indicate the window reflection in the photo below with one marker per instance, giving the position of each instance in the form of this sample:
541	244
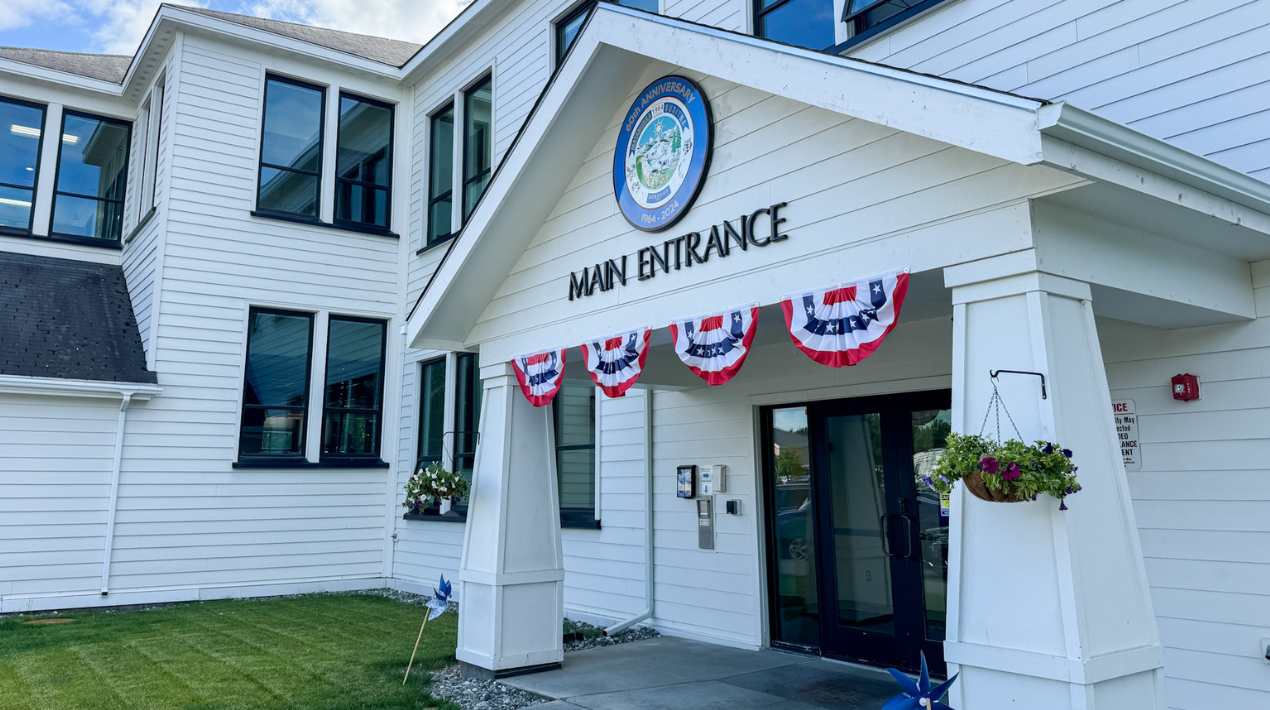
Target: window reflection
930	436
354	388
92	174
363	162
478	142
802	23
21	126
276	385
794	531
291	148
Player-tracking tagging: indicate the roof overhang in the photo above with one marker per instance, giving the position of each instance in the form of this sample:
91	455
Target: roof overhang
57	387
618	44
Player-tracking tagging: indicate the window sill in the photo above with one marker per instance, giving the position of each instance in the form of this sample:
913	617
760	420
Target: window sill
883	26
591	524
438	243
61	239
450	517
140	225
341	226
305	463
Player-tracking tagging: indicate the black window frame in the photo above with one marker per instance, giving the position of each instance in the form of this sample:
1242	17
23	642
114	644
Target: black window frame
159	92
260	157
370	187
376	456
35	177
308	393
145	155
580	10
439	457
466	440
575	517
57	176
430	240
760	14
466	181
861	31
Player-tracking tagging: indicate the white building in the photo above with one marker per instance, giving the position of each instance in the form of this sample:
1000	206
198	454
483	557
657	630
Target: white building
266	270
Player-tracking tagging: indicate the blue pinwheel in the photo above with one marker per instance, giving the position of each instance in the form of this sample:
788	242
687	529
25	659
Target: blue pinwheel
440	601
918	695
436	605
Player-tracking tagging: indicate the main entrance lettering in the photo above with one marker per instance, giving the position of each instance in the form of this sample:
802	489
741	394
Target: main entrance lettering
758	229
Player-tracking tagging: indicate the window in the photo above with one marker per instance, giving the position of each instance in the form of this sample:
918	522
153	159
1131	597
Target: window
21	128
291	149
478	142
864	15
467	416
352	408
150	155
92	173
802	23
363	162
431	412
441	175
574	414
276	384
570	26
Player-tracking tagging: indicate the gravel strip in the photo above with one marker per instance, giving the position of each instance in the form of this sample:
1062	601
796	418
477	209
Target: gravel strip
474	694
587	636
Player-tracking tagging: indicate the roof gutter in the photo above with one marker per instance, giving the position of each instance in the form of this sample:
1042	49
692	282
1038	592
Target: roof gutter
1100	135
58	387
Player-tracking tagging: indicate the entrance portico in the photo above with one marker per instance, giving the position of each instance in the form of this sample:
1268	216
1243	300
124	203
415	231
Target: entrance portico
1015	247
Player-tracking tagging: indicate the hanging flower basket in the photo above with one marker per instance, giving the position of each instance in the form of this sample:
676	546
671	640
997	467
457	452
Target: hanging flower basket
433	484
1005	472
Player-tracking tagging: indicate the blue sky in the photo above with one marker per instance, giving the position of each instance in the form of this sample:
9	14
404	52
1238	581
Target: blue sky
116	26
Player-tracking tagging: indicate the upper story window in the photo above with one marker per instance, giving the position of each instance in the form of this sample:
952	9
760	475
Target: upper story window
352	409
291	148
802	23
276	384
570	26
92	173
21	128
864	15
574	417
478	142
467	412
363	162
149	173
441	175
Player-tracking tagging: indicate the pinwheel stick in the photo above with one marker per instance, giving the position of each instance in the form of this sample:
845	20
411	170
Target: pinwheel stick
426	614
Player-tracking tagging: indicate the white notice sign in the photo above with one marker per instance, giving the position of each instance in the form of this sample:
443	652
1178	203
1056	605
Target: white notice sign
1127	431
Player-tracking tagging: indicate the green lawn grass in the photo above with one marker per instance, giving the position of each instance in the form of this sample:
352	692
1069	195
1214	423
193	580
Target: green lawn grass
320	651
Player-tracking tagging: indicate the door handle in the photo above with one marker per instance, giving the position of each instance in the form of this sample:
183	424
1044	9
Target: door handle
884	522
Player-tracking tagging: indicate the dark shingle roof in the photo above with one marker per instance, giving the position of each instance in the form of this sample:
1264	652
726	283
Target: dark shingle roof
67	319
392	52
106	67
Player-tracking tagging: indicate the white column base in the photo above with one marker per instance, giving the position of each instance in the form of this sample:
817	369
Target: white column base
511	619
1048	609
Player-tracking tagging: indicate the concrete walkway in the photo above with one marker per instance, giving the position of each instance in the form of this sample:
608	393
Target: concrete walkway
675	674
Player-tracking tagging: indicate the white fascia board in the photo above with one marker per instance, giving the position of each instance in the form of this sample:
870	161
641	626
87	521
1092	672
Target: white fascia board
59	78
1114	140
54	386
975	118
467	21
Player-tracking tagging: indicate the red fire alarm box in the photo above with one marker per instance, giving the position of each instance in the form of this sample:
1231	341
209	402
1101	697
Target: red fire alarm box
1185	387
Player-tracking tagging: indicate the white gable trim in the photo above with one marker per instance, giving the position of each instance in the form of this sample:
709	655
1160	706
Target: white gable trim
53	386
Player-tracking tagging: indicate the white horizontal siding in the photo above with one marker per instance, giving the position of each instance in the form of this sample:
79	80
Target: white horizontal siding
56	458
724	14
1193	72
1202	499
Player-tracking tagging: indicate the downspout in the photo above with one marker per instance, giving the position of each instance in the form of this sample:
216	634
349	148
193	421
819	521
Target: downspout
113	503
647	613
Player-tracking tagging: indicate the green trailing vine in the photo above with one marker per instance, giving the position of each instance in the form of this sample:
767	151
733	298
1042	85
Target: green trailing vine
1005	471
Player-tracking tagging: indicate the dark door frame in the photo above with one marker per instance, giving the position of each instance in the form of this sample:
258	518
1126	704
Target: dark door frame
896	445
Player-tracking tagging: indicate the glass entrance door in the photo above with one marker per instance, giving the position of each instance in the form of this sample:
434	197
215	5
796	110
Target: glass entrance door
859	547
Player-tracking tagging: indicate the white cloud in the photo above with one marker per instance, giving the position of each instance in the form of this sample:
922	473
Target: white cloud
117	26
411	20
24	13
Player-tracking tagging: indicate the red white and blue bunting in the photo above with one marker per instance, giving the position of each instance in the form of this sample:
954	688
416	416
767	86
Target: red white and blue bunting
836	327
844	325
715	347
616	363
540	375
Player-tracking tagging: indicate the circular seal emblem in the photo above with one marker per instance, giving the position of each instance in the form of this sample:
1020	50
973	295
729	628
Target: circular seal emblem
663	150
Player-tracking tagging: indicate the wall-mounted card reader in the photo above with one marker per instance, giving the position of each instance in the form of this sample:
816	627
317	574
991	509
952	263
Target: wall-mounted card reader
711	479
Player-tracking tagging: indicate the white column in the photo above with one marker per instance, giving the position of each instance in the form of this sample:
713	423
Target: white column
512	571
1047	609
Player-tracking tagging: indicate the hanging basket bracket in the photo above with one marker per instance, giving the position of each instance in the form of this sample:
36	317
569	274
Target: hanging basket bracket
1044	393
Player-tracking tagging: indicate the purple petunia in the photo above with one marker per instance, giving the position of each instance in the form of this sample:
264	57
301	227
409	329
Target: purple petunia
1049	449
989	464
1067	453
1012	472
